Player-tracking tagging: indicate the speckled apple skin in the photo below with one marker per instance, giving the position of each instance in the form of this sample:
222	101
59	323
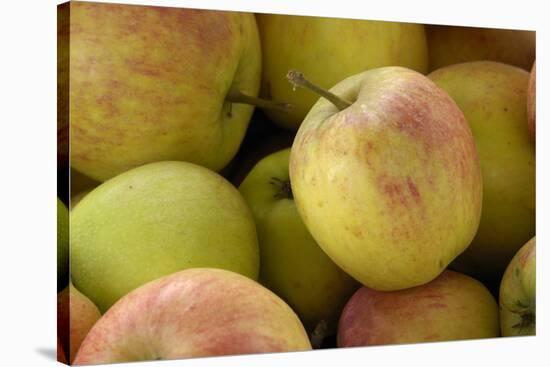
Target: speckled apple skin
390	188
194	313
149	84
451	307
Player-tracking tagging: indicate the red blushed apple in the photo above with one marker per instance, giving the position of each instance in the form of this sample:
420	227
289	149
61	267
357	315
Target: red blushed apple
76	315
194	313
451	307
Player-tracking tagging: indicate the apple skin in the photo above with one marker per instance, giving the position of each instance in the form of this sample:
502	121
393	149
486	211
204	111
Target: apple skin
390	187
448	45
194	313
493	98
518	293
76	315
155	220
532	102
149	84
313	45
292	264
451	307
62	245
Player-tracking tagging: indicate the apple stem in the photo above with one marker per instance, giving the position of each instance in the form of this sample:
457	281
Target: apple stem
236	96
298	80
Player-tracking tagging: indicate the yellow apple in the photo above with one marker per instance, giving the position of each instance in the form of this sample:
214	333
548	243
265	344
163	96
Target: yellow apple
518	293
389	184
291	263
493	98
155	220
328	50
157	83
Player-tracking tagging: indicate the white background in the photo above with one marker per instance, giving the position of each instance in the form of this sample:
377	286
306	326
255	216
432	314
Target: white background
28	182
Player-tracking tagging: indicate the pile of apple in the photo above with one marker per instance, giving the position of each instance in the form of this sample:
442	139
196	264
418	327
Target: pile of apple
251	183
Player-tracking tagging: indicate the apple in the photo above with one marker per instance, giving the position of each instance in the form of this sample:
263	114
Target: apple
157	83
453	306
387	179
155	220
194	313
532	101
76	315
62	245
518	293
450	45
292	264
493	98
315	46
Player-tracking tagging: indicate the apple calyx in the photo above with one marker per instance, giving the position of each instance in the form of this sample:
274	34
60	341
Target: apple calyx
236	96
318	335
282	187
298	80
526	313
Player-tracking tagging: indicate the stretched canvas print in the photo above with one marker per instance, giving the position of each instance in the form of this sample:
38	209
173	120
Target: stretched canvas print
237	183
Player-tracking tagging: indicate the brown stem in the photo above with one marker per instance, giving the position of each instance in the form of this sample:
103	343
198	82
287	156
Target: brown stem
236	96
298	80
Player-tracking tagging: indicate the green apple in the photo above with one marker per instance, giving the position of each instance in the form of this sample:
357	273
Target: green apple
532	101
451	307
316	46
493	98
62	245
387	179
448	45
155	220
518	293
76	315
194	313
292	264
157	83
